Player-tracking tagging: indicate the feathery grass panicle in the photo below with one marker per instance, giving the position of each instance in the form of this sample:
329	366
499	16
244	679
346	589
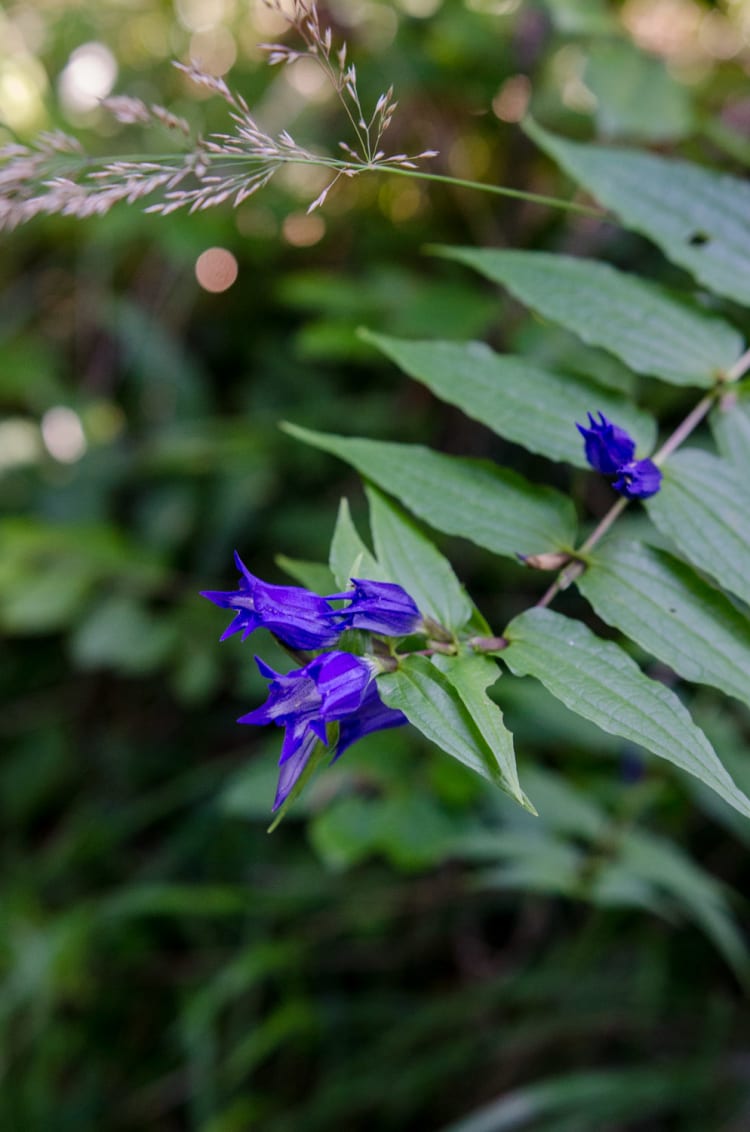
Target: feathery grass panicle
55	175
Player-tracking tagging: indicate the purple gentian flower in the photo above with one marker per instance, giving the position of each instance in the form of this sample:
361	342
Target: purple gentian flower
607	447
296	616
329	688
610	450
378	607
638	480
371	715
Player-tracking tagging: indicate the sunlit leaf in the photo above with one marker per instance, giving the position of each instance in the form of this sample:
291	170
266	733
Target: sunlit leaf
415	563
634	319
514	397
596	679
700	218
671	612
494	507
704	507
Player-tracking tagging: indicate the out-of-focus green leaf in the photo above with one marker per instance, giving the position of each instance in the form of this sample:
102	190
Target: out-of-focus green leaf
392	299
515	398
700	218
250	791
494	507
435	707
664	865
315	576
573	18
671	612
532	863
637	321
48	572
198	900
410	830
593	1100
119	633
636	96
730	423
599	681
416	564
704	507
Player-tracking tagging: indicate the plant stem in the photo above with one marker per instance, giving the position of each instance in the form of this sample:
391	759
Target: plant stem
740	368
498	190
574	569
683	430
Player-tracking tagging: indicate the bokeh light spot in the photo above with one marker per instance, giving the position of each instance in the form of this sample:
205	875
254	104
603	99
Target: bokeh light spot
63	435
216	270
88	76
308	79
302	231
19	443
214	50
22	85
421	9
512	100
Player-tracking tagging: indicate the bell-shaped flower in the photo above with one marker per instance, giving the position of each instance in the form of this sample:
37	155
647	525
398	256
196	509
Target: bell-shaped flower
610	450
607	447
371	715
299	618
638	480
329	688
378	607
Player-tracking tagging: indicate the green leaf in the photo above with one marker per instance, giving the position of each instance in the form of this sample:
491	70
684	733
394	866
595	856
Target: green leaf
471	675
432	703
637	321
573	18
515	398
671	612
663	864
493	507
409	829
588	1101
349	556
699	218
704	507
730	423
120	633
599	681
411	560
315	576
635	94
48	571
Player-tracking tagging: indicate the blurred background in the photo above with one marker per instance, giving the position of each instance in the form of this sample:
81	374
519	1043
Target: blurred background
407	950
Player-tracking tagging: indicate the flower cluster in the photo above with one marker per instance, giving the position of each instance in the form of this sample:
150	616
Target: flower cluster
334	687
610	450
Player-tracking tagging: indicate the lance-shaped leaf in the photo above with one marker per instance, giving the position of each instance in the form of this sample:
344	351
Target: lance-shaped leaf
315	576
698	217
637	321
348	556
730	424
416	564
493	507
661	603
472	675
436	707
704	507
515	398
599	681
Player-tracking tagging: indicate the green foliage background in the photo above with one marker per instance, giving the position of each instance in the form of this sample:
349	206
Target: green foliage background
408	950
